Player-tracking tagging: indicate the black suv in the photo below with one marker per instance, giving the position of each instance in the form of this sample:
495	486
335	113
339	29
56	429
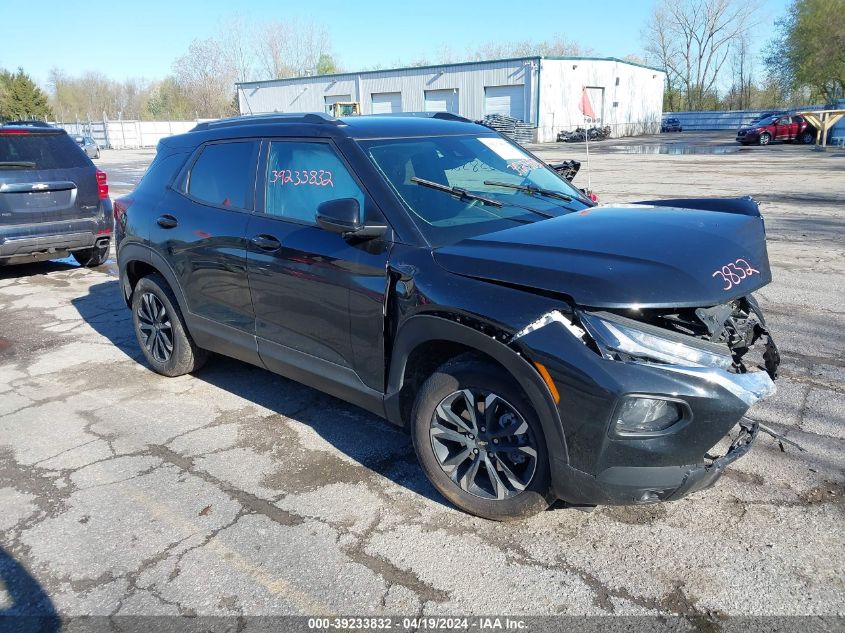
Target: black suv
53	200
429	270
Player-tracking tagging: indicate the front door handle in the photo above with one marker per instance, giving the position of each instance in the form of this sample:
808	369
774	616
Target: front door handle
167	221
266	243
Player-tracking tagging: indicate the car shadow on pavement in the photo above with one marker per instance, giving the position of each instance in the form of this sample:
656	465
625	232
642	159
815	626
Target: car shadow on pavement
367	439
25	607
35	268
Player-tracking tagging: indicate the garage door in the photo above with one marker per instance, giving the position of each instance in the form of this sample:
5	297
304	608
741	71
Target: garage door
441	101
330	99
506	100
386	102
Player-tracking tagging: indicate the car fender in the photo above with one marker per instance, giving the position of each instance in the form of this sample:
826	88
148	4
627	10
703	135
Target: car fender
135	252
423	328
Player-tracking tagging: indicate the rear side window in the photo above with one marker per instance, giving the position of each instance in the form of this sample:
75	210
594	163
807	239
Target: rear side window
224	175
45	151
162	170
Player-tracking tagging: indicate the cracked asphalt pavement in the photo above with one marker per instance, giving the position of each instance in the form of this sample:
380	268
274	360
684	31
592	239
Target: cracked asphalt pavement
238	492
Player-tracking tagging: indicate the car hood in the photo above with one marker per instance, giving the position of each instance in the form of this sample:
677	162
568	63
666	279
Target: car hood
624	256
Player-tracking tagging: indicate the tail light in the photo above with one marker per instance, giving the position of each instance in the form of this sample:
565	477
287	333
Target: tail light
102	184
120	206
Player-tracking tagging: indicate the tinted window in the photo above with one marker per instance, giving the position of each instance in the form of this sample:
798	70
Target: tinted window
224	174
301	176
162	170
46	151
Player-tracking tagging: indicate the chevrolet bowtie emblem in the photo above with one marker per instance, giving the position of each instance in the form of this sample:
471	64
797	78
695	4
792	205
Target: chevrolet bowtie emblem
39	186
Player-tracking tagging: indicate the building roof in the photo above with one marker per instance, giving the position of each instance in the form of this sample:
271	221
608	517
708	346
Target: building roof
452	65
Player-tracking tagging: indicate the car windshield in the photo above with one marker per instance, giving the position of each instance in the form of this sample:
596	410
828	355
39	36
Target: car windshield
423	170
769	120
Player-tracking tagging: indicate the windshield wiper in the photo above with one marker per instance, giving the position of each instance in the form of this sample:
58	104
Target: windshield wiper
23	164
530	189
461	194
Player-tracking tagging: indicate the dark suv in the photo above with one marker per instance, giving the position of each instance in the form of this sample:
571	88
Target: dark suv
53	200
429	270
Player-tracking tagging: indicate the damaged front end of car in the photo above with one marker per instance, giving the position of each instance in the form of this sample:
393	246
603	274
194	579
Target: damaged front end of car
667	386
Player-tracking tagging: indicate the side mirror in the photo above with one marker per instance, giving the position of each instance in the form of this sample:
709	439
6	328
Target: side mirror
343	216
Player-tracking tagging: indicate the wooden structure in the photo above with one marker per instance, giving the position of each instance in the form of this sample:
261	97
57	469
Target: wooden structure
823	121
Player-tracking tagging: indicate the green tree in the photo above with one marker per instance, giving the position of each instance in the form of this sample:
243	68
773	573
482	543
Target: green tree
326	65
20	98
167	101
810	49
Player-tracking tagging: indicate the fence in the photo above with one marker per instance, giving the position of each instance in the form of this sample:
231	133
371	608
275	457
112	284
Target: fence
127	134
726	120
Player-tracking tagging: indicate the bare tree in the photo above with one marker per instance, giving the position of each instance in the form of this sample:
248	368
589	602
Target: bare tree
693	38
741	72
292	48
557	46
206	78
238	47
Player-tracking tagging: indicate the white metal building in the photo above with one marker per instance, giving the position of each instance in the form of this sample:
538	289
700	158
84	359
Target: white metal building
544	92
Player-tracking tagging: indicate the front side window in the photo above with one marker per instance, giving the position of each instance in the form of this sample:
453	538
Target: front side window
301	176
487	166
224	174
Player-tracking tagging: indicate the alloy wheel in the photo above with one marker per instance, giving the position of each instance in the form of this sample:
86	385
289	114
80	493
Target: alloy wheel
156	329
483	444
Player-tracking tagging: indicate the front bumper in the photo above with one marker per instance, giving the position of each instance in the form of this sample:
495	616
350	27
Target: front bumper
626	485
603	467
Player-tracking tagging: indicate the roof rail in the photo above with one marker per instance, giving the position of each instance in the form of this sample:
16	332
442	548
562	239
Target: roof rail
445	116
275	117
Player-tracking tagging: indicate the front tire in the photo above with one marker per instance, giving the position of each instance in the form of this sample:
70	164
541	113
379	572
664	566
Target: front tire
765	138
92	257
480	443
160	329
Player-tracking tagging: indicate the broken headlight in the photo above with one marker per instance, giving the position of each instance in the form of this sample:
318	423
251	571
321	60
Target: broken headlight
619	338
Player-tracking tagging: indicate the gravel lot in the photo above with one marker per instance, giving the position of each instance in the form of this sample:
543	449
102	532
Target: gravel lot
237	492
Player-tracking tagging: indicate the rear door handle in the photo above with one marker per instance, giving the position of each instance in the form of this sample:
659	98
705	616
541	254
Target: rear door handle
266	243
167	221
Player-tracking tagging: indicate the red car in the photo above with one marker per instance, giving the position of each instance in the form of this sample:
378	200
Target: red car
782	127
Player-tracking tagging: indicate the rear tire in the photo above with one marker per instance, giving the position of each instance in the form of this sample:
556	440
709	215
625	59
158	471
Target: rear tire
160	329
807	137
92	257
471	458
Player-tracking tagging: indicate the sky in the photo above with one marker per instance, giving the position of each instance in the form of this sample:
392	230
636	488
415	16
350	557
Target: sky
142	39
